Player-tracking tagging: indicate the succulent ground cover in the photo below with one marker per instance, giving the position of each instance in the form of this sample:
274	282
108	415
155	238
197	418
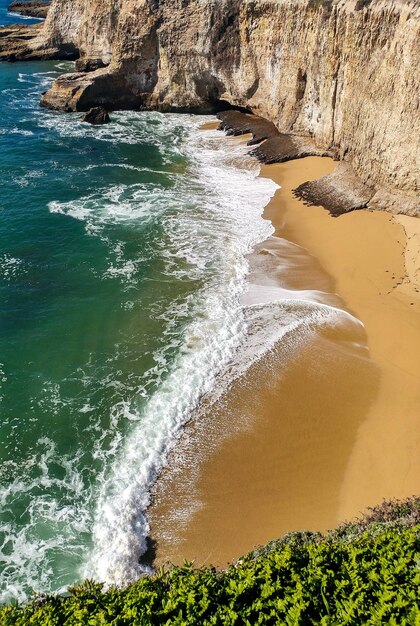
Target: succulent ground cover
364	572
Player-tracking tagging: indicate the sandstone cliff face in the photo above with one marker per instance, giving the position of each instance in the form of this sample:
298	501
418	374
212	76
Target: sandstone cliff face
345	72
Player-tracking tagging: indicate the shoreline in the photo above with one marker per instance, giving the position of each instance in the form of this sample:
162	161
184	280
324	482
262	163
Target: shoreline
244	478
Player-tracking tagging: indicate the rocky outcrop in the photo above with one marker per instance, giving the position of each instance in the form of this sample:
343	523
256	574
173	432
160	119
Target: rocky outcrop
30	8
341	75
274	146
21	42
16	43
339	192
96	116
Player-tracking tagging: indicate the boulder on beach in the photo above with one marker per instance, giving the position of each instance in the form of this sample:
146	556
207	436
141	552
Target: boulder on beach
97	115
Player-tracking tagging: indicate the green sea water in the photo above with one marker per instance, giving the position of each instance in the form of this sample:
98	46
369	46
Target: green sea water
122	263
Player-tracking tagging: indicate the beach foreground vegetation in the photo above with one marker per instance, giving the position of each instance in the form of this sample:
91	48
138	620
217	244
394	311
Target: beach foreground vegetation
364	572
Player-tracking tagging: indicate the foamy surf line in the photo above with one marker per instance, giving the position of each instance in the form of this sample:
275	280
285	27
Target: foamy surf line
231	201
211	217
226	339
25	17
278	326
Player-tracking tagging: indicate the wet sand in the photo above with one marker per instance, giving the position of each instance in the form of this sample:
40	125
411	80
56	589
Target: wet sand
327	422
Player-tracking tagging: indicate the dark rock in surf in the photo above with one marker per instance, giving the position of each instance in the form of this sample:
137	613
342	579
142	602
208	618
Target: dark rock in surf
96	116
272	146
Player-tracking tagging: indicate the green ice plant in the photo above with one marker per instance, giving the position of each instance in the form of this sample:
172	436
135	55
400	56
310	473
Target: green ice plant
361	573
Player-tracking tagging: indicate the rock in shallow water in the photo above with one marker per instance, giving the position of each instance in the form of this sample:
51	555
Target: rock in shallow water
30	8
97	115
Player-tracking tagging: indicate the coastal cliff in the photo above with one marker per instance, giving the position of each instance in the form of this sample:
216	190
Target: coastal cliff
342	73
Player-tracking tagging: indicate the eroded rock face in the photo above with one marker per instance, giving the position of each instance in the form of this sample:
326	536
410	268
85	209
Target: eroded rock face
339	192
342	72
273	146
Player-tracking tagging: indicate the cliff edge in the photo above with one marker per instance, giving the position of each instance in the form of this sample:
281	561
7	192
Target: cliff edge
341	73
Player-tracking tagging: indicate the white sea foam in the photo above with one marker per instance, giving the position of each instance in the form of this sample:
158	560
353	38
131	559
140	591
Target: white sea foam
15	131
25	17
218	224
3	380
11	267
27	179
22	551
161	130
212	219
113	205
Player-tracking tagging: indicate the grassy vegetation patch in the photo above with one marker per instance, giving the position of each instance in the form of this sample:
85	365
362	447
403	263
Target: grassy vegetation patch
367	572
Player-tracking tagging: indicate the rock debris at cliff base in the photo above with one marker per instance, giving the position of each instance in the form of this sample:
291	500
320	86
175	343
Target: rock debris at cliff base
339	192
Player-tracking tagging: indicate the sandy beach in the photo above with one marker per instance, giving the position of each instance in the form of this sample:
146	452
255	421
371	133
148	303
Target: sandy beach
374	259
326	423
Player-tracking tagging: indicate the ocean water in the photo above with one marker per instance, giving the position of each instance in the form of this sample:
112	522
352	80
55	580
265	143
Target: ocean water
123	289
122	263
7	18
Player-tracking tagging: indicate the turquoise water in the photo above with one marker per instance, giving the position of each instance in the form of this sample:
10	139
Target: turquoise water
122	263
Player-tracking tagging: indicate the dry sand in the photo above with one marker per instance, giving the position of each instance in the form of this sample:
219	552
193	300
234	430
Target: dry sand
328	422
375	265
